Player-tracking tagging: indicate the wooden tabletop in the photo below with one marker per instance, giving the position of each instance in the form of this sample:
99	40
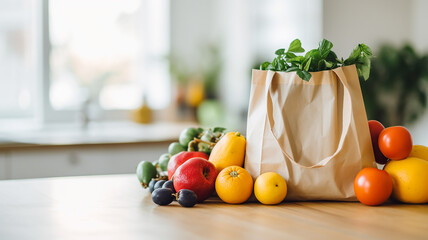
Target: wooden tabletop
116	207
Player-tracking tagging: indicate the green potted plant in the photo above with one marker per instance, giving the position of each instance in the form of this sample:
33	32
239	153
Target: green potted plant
396	93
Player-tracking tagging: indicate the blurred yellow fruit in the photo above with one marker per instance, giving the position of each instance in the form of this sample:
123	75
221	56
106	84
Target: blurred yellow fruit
270	188
142	115
410	179
234	185
195	93
419	151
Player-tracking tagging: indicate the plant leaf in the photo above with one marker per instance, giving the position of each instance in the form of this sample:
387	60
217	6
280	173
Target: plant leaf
270	67
365	49
304	75
319	59
275	62
292	69
290	55
332	57
363	67
324	48
328	64
298	59
295	46
281	64
280	51
264	65
352	59
307	64
321	65
314	53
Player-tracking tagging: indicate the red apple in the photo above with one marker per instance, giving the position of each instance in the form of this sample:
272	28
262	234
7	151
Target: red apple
180	158
196	174
375	129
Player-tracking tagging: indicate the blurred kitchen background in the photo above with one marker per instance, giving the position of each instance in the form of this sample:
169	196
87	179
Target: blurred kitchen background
94	87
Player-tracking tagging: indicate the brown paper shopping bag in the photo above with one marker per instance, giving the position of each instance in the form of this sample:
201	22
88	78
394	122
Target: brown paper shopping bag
315	134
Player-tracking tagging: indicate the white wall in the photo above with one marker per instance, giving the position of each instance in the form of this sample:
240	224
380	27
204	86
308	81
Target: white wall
419	26
192	27
419	35
347	23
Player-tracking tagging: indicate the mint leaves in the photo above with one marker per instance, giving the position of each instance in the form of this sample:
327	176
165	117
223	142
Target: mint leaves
296	46
319	59
360	56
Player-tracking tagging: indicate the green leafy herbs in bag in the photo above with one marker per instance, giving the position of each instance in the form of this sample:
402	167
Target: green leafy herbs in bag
319	59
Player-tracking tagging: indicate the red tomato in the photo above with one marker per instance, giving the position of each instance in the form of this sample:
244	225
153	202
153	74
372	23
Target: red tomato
375	129
395	142
372	186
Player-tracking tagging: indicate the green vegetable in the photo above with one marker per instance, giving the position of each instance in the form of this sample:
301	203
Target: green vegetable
163	161
204	147
145	172
188	135
175	148
219	130
319	59
208	136
156	163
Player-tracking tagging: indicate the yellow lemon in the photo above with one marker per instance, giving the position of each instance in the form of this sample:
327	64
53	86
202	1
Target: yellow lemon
234	185
410	179
270	188
419	151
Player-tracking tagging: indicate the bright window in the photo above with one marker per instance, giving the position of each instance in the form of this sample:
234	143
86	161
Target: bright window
112	52
107	51
18	68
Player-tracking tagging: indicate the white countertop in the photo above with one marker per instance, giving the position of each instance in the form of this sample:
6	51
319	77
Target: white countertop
95	133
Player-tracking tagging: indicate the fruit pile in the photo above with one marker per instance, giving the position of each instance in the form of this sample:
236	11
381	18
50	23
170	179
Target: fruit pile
193	143
404	175
194	140
205	161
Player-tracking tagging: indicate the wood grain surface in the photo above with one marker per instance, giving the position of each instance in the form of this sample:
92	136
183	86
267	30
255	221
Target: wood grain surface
116	207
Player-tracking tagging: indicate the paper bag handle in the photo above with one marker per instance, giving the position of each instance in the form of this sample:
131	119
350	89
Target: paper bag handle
345	127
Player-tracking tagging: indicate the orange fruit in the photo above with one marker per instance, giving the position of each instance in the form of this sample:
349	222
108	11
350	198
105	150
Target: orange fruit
234	185
270	188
